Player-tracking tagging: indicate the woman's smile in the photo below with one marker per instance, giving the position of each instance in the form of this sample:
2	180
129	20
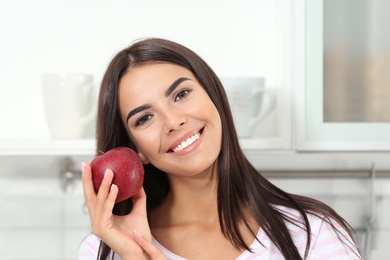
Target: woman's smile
186	143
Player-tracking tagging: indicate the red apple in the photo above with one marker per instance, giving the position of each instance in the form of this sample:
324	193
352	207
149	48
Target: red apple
127	167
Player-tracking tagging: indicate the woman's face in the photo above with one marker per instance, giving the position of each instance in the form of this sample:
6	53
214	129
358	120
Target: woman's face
170	118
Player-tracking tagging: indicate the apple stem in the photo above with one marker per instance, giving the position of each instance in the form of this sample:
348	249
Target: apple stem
101	152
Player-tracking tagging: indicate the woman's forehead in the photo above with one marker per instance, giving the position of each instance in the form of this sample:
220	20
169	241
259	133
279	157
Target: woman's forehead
162	74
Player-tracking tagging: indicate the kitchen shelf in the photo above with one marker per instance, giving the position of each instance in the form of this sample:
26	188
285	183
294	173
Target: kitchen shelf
47	146
43	146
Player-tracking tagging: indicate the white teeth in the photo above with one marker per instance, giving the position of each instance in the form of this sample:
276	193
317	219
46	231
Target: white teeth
187	142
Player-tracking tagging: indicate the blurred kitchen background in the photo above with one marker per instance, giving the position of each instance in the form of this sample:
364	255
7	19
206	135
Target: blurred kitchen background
327	135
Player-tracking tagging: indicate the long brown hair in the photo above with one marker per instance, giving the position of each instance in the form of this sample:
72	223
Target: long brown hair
239	184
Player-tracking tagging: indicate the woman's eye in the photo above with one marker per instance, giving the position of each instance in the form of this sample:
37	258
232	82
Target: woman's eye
182	94
143	120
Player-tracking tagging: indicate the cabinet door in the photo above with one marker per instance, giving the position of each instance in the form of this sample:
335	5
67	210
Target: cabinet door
343	83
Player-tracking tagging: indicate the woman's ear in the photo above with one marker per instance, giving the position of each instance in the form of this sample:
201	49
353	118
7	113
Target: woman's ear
143	158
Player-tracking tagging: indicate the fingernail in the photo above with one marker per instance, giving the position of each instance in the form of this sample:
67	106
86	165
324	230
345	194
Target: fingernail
83	167
112	187
136	233
106	172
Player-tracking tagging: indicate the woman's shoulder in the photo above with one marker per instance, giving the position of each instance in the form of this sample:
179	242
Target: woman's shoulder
328	238
295	217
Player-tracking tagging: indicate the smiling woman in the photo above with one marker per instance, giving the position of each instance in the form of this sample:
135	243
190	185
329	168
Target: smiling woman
204	198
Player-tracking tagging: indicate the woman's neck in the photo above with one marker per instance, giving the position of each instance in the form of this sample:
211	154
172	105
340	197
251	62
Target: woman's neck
190	199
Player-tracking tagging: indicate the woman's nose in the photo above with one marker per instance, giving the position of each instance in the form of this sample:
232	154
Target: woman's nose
173	120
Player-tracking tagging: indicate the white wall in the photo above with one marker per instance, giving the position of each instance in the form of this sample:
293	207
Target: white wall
237	38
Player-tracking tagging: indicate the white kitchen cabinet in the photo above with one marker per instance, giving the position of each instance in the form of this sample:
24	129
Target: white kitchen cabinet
255	36
342	83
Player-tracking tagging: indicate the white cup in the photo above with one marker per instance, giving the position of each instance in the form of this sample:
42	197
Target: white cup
69	103
246	98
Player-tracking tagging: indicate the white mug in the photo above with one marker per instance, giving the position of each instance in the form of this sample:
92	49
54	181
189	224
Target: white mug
246	96
69	103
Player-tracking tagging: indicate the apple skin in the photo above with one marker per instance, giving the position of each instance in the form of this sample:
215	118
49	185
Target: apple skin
127	167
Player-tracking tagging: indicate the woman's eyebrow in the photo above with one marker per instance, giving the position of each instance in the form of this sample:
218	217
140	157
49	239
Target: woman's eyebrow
136	110
171	88
174	85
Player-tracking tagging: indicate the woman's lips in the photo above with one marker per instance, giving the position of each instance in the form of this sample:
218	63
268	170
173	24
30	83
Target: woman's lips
187	142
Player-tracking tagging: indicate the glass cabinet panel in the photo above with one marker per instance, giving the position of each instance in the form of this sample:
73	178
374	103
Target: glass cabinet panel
344	86
356	61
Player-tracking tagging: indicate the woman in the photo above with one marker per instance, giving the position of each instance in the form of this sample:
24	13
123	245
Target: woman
204	198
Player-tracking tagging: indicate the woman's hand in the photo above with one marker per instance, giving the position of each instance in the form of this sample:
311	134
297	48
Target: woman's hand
118	231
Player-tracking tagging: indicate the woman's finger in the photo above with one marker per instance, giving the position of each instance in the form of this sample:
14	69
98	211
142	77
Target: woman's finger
153	252
104	191
139	202
89	191
110	201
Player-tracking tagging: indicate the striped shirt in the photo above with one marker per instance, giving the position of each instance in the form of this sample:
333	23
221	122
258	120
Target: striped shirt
325	243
